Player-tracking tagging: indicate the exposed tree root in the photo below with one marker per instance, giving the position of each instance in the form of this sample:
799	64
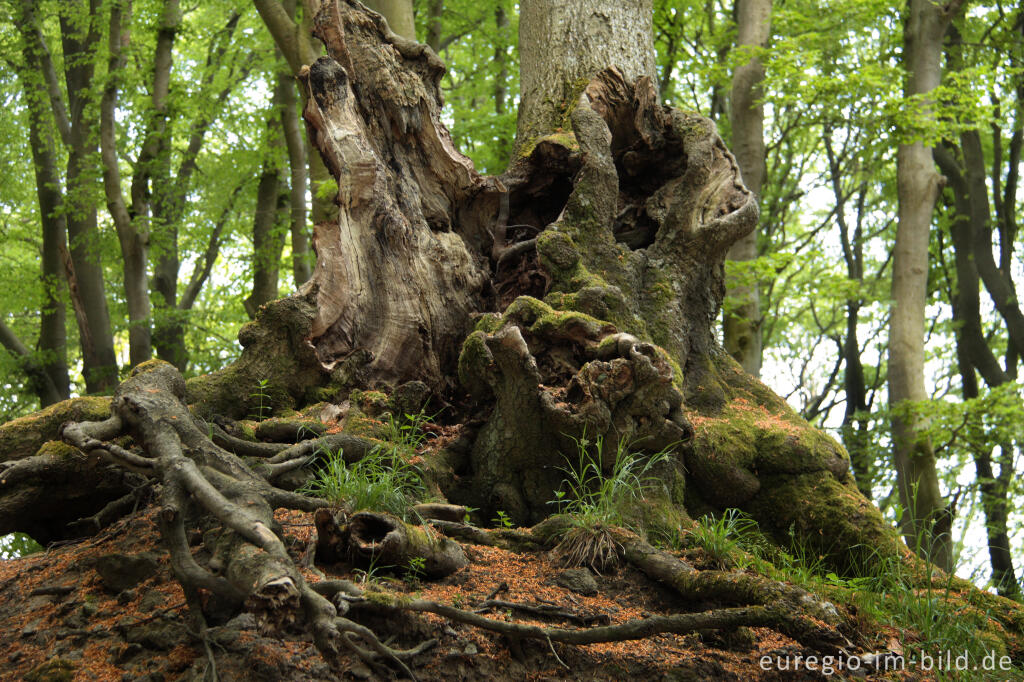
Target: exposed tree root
200	483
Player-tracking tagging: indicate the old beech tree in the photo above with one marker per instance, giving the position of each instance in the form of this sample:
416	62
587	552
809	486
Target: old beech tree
575	294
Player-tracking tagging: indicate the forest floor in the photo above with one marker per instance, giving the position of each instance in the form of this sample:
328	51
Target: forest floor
108	608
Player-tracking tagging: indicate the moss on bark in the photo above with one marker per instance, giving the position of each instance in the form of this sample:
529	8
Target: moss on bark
22	437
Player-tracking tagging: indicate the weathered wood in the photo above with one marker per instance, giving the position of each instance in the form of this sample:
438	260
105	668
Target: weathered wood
398	273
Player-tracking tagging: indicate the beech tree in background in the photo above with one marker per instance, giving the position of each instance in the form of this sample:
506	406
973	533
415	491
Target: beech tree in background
927	523
964	163
742	326
72	110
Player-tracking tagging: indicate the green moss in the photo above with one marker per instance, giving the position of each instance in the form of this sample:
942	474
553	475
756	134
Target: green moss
488	323
248	430
372	403
573	90
22	437
359	424
658	518
474	359
387	598
54	670
557	250
830	518
560	137
60	450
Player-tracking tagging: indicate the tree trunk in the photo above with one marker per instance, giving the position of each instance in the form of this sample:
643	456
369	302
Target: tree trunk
168	327
501	25
435	10
302	258
855	428
52	331
965	173
742	326
926	522
267	235
134	248
618	213
99	360
399	16
563	44
292	35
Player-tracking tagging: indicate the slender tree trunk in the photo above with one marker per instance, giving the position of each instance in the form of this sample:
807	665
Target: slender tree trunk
972	215
926	522
854	428
169	327
79	43
501	24
578	39
435	10
134	249
52	319
742	326
293	36
38	378
301	256
267	235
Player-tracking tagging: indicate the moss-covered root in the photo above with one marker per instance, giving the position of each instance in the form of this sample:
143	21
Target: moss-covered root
796	612
379	539
24	436
277	370
752	451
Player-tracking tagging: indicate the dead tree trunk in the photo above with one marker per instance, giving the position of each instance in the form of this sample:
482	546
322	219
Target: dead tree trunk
590	274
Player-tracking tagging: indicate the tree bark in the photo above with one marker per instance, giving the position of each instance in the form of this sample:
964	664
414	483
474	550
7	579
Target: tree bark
399	16
168	327
52	332
742	326
267	233
79	45
562	45
855	427
926	522
302	258
134	248
292	35
972	217
435	10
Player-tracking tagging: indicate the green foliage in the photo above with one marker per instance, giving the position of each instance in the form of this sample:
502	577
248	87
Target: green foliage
481	86
405	433
415	570
724	539
262	400
502	520
18	545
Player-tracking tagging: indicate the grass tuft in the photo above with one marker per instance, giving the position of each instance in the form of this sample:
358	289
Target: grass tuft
596	502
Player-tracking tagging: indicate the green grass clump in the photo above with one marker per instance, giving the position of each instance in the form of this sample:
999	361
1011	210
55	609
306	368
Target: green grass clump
726	538
386	479
596	502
